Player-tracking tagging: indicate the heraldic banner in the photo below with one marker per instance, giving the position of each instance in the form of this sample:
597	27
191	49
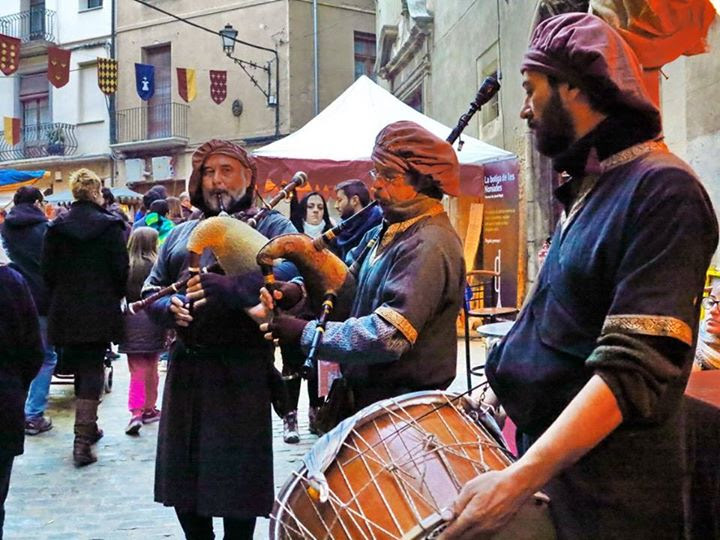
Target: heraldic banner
145	80
9	54
58	66
12	130
186	84
218	86
107	75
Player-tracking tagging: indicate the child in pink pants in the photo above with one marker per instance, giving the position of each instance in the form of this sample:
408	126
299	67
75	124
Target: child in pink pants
144	340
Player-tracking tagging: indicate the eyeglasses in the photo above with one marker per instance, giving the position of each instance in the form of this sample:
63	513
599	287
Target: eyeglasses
387	177
709	303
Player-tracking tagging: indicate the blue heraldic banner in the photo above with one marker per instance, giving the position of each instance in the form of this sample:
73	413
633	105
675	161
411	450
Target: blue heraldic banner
145	80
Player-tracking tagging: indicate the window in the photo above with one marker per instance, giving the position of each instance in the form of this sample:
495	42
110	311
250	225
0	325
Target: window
415	100
37	19
35	105
90	4
159	116
364	55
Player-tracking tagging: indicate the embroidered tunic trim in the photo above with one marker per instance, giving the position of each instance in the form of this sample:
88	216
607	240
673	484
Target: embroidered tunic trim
635	151
609	163
649	325
398	228
399	322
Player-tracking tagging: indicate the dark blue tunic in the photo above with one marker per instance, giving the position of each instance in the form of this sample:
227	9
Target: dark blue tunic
618	296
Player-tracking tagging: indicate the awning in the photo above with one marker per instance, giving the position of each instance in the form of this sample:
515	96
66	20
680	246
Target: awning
337	144
12	179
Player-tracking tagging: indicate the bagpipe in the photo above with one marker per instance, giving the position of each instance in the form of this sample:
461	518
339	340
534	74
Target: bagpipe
233	240
239	248
334	284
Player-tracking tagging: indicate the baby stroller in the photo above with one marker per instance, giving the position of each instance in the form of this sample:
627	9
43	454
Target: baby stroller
62	375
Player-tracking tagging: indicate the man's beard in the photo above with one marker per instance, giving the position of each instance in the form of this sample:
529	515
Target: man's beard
212	200
382	197
556	132
347	213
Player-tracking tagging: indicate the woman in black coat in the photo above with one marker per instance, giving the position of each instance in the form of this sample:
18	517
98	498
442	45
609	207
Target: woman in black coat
22	355
310	216
85	266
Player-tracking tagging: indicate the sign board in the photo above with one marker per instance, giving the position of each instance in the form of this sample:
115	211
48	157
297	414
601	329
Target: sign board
501	231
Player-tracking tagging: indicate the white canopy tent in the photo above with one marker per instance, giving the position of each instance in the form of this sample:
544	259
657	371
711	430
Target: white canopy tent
338	142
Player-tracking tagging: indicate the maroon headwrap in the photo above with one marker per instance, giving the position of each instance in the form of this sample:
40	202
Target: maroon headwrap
405	145
585	51
217	146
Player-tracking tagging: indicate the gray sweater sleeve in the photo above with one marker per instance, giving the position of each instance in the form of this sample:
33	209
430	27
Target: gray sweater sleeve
639	371
364	340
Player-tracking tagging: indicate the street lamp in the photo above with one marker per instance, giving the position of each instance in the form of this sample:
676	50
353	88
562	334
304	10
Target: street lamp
229	37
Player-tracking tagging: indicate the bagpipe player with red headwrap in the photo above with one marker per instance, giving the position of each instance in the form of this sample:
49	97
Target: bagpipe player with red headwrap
400	336
214	454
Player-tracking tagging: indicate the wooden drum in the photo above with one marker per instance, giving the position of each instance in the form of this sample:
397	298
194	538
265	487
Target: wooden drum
390	471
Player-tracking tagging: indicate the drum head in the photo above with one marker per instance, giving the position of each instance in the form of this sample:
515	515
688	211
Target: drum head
397	466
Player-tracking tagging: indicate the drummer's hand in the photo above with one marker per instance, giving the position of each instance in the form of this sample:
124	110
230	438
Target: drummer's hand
181	313
485	504
284	329
489	400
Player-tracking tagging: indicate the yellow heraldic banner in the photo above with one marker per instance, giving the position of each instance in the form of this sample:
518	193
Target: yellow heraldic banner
12	130
186	84
107	74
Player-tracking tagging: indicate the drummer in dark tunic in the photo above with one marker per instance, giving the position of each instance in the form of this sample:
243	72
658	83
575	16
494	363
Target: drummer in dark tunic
593	371
400	336
214	454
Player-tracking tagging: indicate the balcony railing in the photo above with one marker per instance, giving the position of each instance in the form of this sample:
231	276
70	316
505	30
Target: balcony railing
36	24
164	121
41	140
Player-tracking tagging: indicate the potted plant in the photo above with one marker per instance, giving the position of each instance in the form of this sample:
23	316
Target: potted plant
55	141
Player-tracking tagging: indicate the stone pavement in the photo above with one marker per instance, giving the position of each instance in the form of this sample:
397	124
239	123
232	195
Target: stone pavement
112	499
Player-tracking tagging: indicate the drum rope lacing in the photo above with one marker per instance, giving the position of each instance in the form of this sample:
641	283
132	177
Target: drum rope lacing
427	445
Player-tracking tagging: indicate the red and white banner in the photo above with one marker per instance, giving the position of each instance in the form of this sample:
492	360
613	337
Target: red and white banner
218	86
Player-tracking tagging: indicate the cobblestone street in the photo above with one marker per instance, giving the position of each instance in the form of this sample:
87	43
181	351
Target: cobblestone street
113	498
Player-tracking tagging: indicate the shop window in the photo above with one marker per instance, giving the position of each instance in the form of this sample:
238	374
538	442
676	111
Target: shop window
364	55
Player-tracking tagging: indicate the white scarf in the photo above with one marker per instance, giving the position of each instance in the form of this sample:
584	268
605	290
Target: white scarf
313	231
708	348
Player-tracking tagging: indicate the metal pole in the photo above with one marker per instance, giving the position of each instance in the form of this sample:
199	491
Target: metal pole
277	94
316	90
111	109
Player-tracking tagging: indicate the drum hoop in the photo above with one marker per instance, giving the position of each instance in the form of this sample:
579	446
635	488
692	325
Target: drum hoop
370	413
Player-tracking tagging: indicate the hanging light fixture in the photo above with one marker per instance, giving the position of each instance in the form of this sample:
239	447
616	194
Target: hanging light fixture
228	35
